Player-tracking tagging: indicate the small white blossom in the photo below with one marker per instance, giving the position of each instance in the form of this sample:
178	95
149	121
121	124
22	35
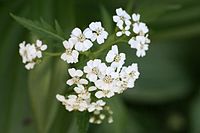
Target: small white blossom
92	69
115	58
122	17
105	93
121	86
99	33
98	105
30	65
27	52
136	17
40	47
76	77
141	50
82	92
61	99
72	102
124	31
141	44
76	103
106	82
140	28
70	55
135	41
129	75
82	43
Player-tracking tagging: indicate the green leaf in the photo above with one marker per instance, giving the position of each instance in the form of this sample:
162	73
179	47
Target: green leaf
40	28
59	30
45	81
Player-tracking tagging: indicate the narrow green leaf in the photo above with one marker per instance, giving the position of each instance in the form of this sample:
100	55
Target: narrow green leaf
37	28
59	29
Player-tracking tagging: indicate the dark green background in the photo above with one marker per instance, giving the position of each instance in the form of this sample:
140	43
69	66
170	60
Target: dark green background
165	99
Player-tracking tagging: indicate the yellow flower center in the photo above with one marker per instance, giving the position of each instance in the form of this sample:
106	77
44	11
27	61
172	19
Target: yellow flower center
81	38
107	79
95	70
117	58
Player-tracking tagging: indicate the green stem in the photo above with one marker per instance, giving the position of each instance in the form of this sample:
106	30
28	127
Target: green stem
108	44
52	54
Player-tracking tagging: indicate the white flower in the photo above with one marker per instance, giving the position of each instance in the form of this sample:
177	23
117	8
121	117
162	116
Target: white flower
70	55
61	99
76	77
72	102
121	86
129	75
82	43
82	92
141	50
124	31
30	53
136	17
98	105
27	52
105	93
122	17
106	83
40	47
30	65
99	33
140	28
75	103
141	44
135	40
93	69
115	57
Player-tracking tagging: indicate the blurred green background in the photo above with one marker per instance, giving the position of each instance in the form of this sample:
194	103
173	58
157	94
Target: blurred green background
166	98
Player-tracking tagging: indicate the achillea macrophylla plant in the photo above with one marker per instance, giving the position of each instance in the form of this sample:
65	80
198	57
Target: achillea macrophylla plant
99	79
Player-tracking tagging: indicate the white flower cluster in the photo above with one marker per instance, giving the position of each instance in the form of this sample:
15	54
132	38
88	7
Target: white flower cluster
99	81
30	53
140	39
83	41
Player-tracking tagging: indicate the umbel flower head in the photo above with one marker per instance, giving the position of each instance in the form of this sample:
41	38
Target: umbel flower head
30	53
99	80
139	40
93	77
106	79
